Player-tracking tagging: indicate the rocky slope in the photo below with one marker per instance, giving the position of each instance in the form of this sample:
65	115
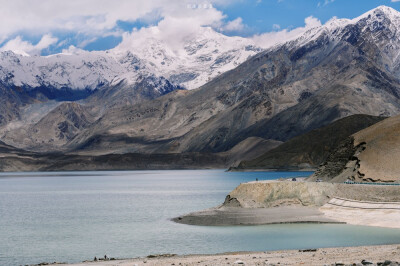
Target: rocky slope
311	149
370	155
14	159
331	72
342	68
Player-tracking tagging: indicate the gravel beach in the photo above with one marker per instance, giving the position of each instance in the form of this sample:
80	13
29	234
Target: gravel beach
365	255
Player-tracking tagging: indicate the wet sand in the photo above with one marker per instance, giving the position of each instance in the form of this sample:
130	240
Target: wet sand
255	216
337	210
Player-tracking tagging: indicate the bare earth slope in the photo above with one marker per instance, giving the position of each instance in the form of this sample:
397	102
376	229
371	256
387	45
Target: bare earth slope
13	159
311	149
370	155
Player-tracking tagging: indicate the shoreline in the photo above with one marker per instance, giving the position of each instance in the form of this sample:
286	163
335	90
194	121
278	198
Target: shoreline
225	169
276	202
289	169
320	256
236	216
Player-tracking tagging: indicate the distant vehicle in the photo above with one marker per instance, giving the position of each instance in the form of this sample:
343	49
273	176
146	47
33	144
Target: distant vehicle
318	180
348	181
294	179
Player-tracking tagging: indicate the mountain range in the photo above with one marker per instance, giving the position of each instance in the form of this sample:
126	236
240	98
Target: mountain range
206	98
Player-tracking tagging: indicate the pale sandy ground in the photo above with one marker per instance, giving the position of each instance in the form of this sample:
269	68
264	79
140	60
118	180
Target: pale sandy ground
322	256
382	214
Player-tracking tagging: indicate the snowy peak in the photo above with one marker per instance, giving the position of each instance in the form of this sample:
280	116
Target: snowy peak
87	70
202	56
198	58
379	13
380	26
190	62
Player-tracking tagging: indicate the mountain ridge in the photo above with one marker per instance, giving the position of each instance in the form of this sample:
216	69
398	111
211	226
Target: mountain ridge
342	68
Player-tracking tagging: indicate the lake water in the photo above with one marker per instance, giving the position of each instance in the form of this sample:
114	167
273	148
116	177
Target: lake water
74	216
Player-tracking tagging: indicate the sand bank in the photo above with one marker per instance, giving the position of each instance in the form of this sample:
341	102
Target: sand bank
255	216
303	202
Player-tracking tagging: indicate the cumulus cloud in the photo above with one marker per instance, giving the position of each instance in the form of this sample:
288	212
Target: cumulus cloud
85	16
77	15
270	39
94	19
173	31
176	21
234	25
19	46
73	50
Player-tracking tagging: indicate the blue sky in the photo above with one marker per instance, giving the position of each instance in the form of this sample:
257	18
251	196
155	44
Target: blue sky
260	16
51	26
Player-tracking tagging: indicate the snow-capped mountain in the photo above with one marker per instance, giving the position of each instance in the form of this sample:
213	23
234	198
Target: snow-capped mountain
86	70
203	56
382	24
342	68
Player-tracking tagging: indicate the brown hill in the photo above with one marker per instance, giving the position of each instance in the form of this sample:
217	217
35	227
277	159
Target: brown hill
311	149
375	155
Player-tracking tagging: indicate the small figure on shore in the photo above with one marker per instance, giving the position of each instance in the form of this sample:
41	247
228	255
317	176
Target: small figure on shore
256	179
105	257
95	258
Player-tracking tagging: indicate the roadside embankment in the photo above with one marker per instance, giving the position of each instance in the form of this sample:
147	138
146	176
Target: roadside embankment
268	194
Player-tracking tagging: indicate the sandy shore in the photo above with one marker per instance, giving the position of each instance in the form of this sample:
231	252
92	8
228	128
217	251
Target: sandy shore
256	216
322	256
382	214
271	202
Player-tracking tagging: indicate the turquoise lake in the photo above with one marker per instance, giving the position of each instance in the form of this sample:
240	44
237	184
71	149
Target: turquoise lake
74	216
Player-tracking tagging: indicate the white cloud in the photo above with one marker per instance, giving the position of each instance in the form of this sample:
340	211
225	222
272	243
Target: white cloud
84	16
327	2
234	25
72	50
173	30
26	48
395	1
276	27
93	19
77	15
270	39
